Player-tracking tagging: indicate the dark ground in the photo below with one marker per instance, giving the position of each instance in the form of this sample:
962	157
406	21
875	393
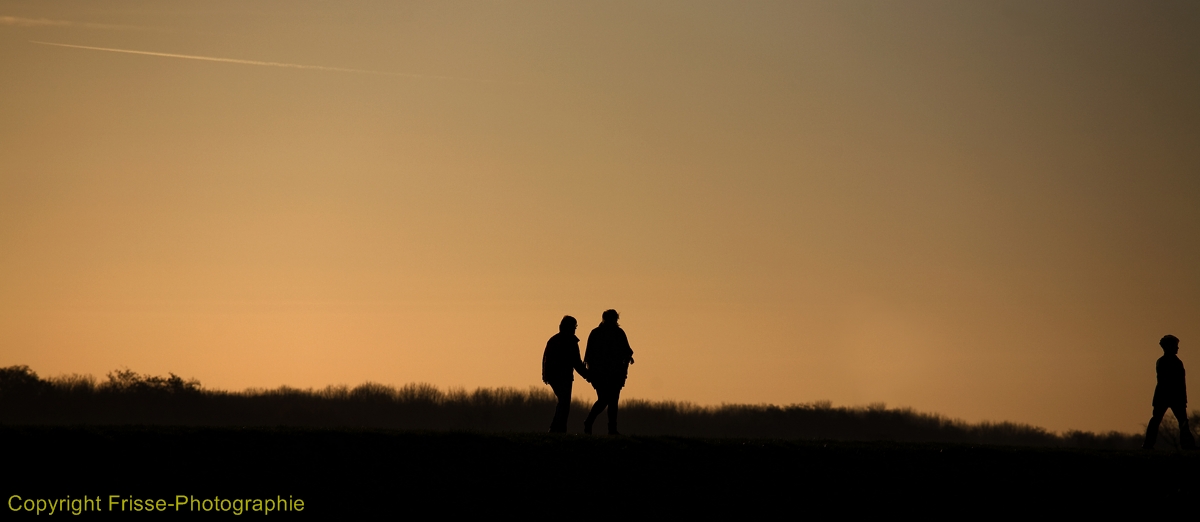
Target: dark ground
341	472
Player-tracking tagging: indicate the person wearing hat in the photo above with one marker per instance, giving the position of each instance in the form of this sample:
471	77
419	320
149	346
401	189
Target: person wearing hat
1171	392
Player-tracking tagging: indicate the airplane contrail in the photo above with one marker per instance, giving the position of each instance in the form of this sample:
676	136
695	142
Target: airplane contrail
267	64
46	22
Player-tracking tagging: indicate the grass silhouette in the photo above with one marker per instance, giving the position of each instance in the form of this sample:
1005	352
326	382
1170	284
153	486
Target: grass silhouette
129	398
348	473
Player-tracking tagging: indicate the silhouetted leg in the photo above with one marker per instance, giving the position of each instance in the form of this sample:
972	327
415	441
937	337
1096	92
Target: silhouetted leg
614	396
1152	428
596	409
1186	441
562	390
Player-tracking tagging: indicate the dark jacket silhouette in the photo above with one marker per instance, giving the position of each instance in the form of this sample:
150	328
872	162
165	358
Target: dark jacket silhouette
560	361
608	356
1172	386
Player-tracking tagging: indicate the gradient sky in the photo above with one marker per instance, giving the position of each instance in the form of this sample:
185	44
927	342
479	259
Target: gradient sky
989	210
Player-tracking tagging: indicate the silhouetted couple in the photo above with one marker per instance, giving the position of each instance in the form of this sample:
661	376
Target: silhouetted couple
1171	392
605	365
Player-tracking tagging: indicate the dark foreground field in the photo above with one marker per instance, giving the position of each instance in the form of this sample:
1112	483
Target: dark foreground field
340	471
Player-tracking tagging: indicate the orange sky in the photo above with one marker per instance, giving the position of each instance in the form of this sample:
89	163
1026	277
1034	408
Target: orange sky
983	209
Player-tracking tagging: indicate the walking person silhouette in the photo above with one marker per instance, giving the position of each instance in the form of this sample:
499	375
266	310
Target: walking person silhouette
560	361
608	357
1171	392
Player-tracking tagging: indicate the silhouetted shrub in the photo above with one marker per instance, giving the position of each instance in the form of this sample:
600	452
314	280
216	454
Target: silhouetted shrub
131	398
20	381
129	381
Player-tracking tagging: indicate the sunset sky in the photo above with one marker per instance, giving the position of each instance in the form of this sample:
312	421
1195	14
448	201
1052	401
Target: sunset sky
988	210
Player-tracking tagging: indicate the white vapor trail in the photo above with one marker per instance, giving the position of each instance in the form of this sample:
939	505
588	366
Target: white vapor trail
267	64
45	22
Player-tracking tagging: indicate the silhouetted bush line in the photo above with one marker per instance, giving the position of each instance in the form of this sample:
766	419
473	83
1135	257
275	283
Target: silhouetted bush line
129	398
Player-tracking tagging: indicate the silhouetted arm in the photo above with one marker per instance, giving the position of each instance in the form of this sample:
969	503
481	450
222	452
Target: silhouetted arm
625	344
580	367
588	352
546	361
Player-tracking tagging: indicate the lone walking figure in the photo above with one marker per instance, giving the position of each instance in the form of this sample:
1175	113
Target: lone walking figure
608	358
1171	392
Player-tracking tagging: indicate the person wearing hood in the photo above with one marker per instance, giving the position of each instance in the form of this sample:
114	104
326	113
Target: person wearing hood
607	358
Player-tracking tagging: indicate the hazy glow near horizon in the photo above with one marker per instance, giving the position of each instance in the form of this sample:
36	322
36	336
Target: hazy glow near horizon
989	210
